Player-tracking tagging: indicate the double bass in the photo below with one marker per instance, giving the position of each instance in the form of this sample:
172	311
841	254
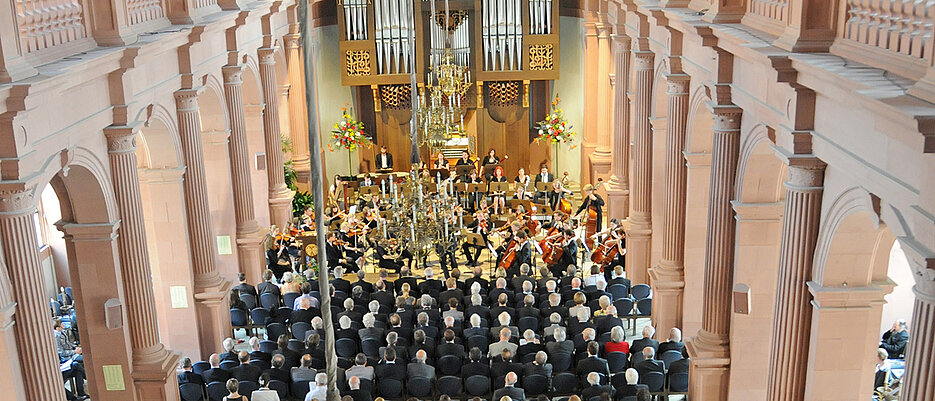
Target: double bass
590	226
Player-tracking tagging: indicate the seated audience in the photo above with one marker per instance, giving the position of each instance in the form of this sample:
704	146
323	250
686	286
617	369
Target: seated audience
304	372
215	373
277	370
187	376
617	343
508	390
318	389
630	389
895	339
232	386
595	389
264	393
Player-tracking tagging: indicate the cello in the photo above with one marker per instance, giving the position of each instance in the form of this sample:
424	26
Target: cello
590	226
607	251
509	256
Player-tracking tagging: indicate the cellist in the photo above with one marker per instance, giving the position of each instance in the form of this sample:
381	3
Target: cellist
613	232
591	200
569	253
523	253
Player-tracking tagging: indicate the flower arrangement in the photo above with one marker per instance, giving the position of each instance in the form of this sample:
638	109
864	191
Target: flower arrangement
349	134
555	128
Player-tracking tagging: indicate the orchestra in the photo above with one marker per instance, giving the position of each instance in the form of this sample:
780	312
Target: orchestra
518	222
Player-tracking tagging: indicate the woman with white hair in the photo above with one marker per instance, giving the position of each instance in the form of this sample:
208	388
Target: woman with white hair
229	353
604	302
629	389
617	342
290	284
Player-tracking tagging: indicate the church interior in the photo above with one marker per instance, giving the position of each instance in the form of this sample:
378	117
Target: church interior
471	200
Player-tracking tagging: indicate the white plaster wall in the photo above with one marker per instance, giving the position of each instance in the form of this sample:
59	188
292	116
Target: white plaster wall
331	98
570	89
898	303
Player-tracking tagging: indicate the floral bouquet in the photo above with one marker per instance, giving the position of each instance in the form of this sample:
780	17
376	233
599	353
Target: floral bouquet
555	128
349	133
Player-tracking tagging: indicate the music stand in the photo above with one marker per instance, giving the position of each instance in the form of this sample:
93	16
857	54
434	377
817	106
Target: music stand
543	186
435	172
464	170
368	190
476	188
490	167
499	187
527	204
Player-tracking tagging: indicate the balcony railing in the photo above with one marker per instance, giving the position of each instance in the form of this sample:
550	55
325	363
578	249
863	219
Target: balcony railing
902	26
48	23
141	11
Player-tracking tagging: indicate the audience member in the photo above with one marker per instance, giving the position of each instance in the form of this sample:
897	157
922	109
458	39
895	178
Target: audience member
187	376
595	388
355	392
264	393
360	368
277	370
245	372
305	371
232	387
895	339
215	373
508	390
633	385
318	389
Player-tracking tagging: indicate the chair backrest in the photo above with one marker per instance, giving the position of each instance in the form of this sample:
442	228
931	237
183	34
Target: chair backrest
299	329
228	365
618	291
535	385
654	380
248	387
419	386
200	366
370	347
561	362
629	398
263	365
300	389
449	364
191	392
678	382
390	388
477	385
217	391
345	347
564	383
269	300
288	299
274	330
528	322
669	356
624	306
259	316
248	299
640	291
450	385
477	341
281	387
296	345
645	306
616	361
635	357
268	346
239	317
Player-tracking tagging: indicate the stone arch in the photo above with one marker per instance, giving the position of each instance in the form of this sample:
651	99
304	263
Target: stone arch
760	173
699	134
158	144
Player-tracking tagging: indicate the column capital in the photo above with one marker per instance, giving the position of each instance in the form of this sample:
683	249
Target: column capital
89	231
233	74
849	297
187	99
621	43
291	41
726	118
643	60
17	199
266	55
121	139
161	175
805	174
677	84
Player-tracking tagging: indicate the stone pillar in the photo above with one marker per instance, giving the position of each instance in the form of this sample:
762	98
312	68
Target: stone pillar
153	364
793	313
601	157
710	349
280	197
297	107
249	235
36	352
618	187
640	233
211	300
919	383
10	372
667	278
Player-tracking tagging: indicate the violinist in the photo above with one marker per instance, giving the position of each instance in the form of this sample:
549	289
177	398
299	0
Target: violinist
523	254
498	197
591	201
569	253
334	250
522	185
332	214
441	162
557	193
370	218
487	161
481	225
350	234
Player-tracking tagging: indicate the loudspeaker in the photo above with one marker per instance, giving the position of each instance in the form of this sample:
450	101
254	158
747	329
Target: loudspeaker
113	314
741	299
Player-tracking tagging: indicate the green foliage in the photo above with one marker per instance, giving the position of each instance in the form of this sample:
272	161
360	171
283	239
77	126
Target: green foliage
301	200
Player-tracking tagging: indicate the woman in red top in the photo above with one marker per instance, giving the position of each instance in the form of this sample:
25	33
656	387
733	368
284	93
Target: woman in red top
617	344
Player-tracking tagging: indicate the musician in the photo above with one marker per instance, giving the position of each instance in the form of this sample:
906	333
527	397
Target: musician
384	160
333	214
371	218
336	191
352	246
473	198
441	162
522	185
334	250
523	254
558	219
499	197
465	160
543	176
308	219
614	232
569	253
508	232
488	160
388	256
591	201
481	225
556	194
366	181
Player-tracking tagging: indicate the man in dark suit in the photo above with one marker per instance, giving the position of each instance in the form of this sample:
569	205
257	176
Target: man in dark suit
430	285
569	256
382	295
389	369
503	363
451	291
593	363
384	162
376	333
516	283
355	392
674	342
500	288
523	254
419	368
449	347
508	390
630	389
404	277
477	307
267	285
478	273
648	364
530	345
681	365
595	388
245	371
647	340
367	287
187	376
543	176
618	278
215	374
256	354
244	287
276	370
345	330
539	366
528	308
475	329
606	323
339	283
304	313
555	306
561	345
501	307
476	366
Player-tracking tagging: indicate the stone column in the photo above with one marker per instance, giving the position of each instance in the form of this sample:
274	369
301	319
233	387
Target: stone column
601	157
793	312
919	381
249	235
10	372
668	279
297	111
280	197
36	352
153	364
618	187
211	301
710	349
640	233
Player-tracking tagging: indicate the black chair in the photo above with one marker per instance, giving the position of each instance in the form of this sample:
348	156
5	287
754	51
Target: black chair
565	383
345	363
274	330
450	385
619	291
654	380
371	347
616	361
288	299
678	382
477	385
200	366
268	346
296	345
299	329
228	365
640	291
645	307
300	388
263	365
560	362
239	321
247	388
479	342
249	300
345	347
191	392
669	356
635	358
259	316
281	387
269	300
419	386
390	388
629	398
535	385
449	365
217	391
528	322
624	306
